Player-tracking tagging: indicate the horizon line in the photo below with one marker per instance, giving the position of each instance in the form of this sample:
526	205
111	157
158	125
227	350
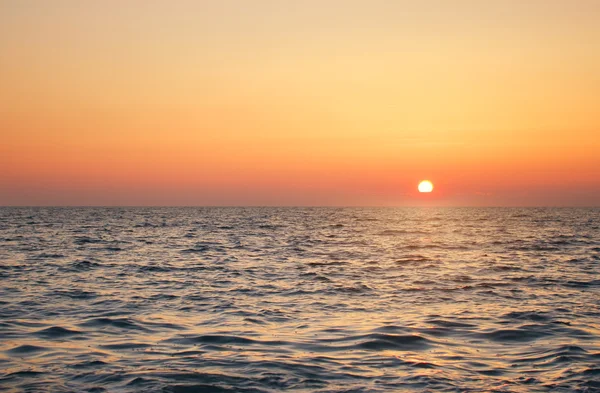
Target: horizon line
308	206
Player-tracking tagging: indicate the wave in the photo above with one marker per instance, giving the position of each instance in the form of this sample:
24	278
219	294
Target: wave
57	332
117	323
323	300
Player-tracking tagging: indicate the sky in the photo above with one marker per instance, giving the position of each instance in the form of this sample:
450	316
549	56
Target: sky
328	102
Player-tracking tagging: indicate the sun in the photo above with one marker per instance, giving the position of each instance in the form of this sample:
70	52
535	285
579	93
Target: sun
425	186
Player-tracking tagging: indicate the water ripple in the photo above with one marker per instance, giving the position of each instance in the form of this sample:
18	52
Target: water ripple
299	299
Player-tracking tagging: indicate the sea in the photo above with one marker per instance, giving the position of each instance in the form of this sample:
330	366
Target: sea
264	299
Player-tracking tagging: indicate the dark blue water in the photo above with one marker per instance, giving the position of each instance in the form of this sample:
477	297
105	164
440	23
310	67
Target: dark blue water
293	299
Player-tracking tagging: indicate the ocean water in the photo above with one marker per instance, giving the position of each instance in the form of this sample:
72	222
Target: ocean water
299	299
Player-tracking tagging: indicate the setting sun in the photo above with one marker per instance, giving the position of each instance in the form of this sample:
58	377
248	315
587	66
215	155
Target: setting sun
425	186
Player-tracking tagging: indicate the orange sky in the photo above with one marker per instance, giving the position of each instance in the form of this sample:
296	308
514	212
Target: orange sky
299	103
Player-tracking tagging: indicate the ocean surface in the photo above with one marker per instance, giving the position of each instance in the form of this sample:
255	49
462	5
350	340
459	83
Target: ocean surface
299	299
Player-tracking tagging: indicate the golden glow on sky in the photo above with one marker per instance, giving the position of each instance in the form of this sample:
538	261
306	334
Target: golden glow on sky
425	186
299	103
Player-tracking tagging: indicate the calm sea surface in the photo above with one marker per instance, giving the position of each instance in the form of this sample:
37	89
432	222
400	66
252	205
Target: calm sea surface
294	299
